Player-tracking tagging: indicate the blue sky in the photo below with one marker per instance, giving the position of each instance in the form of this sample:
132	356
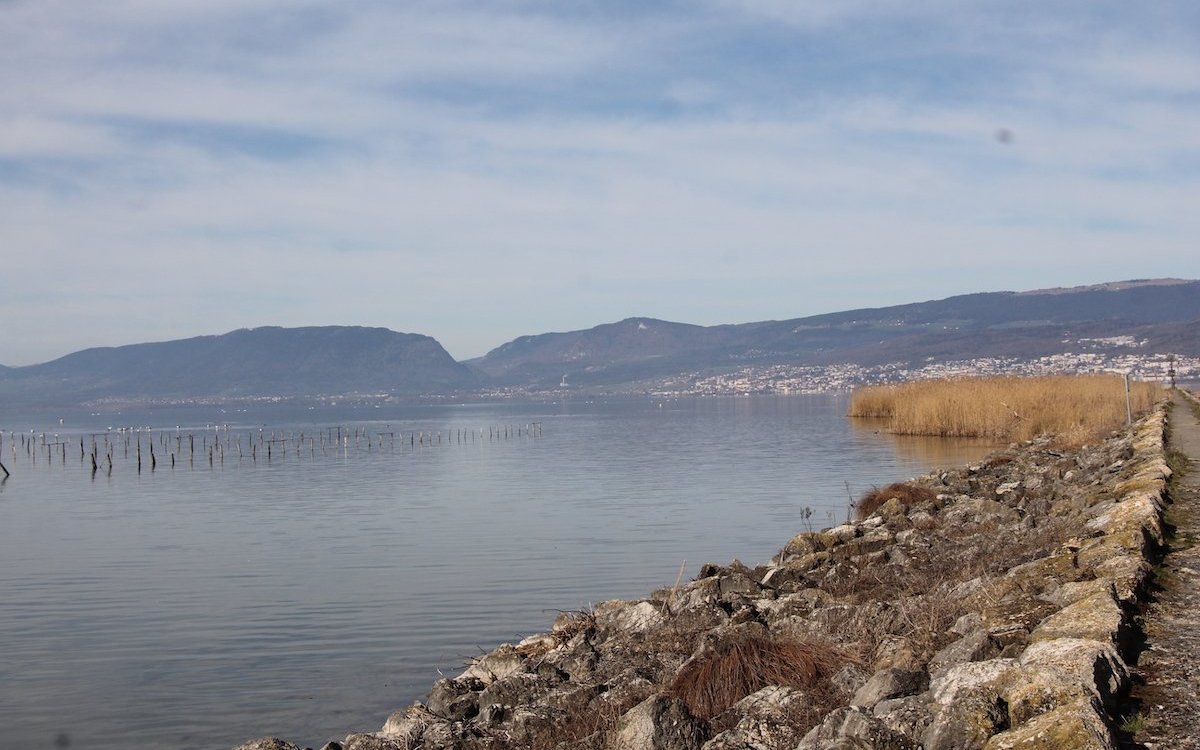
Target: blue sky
480	171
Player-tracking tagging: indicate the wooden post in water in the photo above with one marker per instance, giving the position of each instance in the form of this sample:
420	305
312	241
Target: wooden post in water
5	470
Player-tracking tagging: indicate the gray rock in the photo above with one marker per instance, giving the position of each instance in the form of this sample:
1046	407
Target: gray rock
764	721
967	723
408	724
455	700
888	683
849	679
966	623
371	742
658	723
947	687
1092	664
909	716
975	646
854	729
738	584
515	690
497	665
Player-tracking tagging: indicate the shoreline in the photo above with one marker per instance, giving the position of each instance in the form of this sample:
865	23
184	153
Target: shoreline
1014	650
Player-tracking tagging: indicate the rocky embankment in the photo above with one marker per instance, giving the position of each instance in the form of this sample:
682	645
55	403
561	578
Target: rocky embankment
985	607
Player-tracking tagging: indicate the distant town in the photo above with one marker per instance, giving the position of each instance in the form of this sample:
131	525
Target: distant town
1116	354
781	379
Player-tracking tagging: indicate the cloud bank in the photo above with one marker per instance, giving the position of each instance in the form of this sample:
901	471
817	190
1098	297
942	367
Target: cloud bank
478	171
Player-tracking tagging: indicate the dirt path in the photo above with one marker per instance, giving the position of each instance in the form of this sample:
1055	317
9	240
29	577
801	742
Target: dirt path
1168	702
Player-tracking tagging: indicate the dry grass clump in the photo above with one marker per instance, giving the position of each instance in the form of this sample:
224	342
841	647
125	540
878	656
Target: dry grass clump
738	666
908	494
1078	407
570	624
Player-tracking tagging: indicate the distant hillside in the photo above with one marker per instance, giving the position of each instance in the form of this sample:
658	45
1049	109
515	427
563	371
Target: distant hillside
1159	315
1161	312
249	362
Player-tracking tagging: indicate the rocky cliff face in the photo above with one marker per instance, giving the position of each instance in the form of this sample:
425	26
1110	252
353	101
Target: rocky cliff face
985	607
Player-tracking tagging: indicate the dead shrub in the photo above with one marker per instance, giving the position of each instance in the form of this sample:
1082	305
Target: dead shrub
998	460
570	624
908	494
738	666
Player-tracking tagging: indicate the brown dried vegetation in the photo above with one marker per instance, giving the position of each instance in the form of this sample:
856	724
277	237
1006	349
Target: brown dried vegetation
1077	408
908	494
743	664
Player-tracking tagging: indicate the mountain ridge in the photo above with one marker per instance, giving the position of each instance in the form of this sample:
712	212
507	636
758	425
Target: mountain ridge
312	361
962	326
248	362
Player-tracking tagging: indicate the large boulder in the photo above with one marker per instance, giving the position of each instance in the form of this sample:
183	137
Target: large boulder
1075	726
854	729
658	723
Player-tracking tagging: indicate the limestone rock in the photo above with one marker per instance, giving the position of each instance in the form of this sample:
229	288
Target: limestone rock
409	723
1069	593
1031	691
497	665
1093	664
514	690
455	700
975	646
888	683
854	729
627	618
1074	726
957	680
1097	617
764	721
909	716
967	722
658	723
371	742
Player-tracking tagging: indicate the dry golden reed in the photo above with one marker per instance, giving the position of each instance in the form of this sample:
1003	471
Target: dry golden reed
1077	408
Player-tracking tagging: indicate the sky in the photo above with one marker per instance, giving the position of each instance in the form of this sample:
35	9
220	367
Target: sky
478	171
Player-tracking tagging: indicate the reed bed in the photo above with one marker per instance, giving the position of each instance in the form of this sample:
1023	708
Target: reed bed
1076	408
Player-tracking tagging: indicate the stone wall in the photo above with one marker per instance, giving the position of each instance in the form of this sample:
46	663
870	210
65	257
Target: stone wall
983	607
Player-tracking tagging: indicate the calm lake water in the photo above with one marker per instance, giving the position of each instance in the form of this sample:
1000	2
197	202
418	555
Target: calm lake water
311	595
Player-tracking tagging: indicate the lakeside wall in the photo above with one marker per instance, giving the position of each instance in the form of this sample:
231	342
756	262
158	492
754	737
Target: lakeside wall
992	608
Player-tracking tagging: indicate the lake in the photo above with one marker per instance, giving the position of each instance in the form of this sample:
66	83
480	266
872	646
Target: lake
310	595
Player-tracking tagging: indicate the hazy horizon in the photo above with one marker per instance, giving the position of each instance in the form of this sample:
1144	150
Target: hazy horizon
1050	290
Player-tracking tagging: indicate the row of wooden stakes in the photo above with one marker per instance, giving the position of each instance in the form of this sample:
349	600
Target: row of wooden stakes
104	445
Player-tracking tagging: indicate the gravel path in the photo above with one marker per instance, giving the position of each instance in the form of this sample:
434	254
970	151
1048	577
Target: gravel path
1170	666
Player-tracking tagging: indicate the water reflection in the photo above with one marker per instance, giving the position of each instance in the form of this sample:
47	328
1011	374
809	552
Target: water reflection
209	591
942	452
927	450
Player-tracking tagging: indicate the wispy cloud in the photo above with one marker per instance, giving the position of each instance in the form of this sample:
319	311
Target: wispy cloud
481	170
